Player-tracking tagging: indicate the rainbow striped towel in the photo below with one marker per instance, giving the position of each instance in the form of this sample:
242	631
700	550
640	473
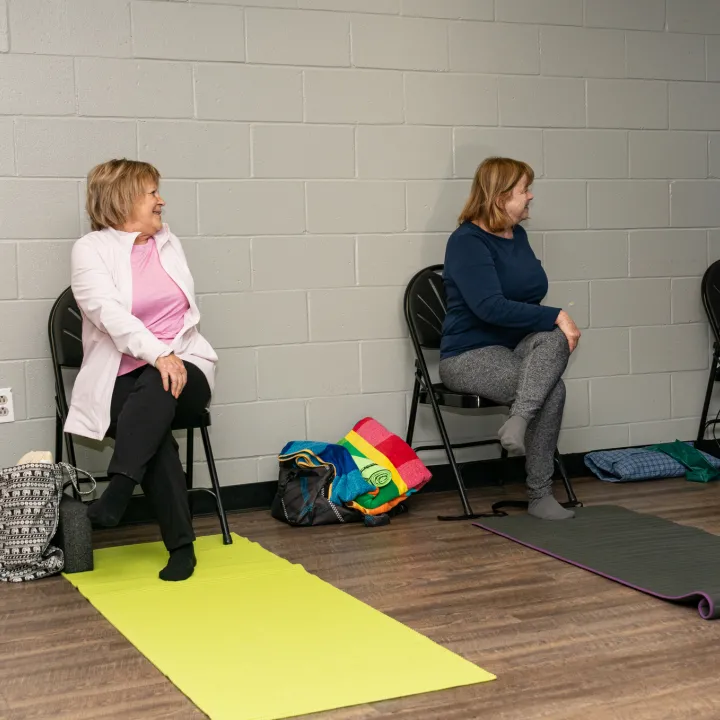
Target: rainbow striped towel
387	462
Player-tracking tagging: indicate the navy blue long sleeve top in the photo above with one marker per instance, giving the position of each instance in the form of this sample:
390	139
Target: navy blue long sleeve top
493	288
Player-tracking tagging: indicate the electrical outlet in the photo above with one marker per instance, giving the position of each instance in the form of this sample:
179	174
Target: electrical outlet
7	410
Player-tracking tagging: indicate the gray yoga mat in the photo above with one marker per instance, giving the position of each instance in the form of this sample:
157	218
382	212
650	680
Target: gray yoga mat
656	556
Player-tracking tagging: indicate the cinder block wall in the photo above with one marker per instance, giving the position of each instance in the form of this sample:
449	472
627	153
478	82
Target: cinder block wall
317	152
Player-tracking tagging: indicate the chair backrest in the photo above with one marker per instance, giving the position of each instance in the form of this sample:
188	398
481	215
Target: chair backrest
710	293
65	332
425	307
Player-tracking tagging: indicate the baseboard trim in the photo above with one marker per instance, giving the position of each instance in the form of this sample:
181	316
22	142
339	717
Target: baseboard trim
258	496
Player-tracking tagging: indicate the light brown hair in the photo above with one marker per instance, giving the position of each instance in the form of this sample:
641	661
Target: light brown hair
494	179
112	189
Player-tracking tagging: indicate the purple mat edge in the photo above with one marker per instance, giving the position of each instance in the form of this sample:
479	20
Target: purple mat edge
705	605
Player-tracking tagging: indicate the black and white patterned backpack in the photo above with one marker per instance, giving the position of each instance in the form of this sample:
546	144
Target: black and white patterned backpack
30	497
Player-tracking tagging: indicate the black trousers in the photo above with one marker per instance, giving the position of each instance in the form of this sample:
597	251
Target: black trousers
141	416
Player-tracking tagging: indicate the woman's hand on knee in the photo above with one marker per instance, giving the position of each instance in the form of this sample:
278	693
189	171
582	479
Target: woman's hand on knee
173	373
568	327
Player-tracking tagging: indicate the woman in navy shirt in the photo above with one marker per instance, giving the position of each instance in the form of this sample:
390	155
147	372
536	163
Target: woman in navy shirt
498	341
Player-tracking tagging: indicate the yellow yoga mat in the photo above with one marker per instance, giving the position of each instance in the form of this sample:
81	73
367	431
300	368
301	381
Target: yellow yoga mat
253	637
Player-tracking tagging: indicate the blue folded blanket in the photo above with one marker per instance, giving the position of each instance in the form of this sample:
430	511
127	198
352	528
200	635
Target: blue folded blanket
637	464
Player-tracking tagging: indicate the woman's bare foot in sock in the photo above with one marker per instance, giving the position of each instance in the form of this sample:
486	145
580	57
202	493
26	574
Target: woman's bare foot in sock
512	435
548	508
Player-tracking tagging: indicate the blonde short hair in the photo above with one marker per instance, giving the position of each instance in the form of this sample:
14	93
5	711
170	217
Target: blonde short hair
112	189
494	179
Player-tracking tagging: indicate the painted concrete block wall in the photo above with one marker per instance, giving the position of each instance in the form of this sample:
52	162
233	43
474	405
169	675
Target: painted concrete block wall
317	152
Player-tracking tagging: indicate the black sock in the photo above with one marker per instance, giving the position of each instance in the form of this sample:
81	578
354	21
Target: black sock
109	509
181	564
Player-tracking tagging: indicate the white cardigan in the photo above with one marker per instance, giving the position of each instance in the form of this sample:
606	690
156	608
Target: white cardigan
102	285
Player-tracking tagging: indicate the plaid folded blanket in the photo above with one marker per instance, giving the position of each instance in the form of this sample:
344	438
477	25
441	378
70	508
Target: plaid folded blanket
637	464
387	462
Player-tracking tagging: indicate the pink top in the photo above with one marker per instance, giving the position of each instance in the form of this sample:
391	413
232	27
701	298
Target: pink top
157	300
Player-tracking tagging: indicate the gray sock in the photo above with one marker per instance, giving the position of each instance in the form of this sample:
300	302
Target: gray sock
548	508
512	435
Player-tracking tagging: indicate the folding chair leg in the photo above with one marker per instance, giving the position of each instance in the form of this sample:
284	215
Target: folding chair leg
468	513
413	412
708	394
572	500
227	540
189	462
70	445
189	465
58	438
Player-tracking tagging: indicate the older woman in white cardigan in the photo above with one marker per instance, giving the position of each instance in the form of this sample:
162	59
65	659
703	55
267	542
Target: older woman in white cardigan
145	363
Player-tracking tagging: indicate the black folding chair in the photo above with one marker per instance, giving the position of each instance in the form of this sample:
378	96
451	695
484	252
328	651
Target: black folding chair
710	293
424	312
65	332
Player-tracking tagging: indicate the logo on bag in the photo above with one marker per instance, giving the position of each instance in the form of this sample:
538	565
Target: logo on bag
375	474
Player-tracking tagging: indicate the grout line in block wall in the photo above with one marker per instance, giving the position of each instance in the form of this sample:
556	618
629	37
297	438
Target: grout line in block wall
245	34
627	150
407	209
707	247
17	269
25	393
403	77
16	168
197	208
448	56
256	358
251	259
131	19
308	313
625	53
7	26
344	69
251	150
357	260
707	59
355	152
587	205
81	204
306	210
350	44
76	93
708	155
193	82
453	145
303	97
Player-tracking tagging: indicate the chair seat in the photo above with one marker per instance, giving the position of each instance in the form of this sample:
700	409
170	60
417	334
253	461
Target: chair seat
449	398
192	422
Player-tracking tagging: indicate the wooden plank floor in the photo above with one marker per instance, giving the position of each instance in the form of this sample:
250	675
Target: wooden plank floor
564	643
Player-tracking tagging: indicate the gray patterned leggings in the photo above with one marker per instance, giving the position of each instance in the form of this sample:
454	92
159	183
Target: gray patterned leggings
527	379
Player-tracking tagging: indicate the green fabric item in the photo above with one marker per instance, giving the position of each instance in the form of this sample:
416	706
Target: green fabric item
698	468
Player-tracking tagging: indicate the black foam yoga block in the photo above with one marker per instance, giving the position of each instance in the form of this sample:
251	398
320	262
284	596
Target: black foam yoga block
74	535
